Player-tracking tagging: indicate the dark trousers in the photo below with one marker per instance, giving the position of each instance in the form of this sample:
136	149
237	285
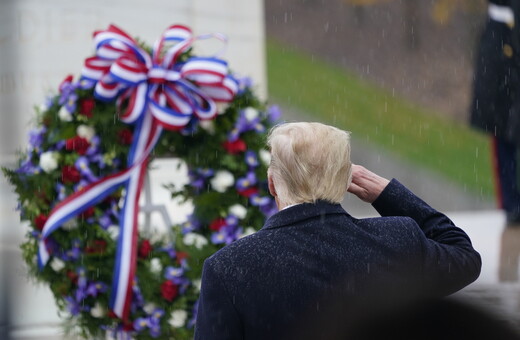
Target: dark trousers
506	157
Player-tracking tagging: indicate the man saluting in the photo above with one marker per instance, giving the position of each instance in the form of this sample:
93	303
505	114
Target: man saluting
312	259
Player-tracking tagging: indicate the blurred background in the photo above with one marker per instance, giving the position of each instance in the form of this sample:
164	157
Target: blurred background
398	74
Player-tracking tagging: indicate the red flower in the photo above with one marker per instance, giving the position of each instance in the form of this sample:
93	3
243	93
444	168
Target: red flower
96	247
181	255
78	144
169	290
87	213
248	192
217	224
42	195
72	276
125	136
144	249
86	106
40	221
235	147
70	174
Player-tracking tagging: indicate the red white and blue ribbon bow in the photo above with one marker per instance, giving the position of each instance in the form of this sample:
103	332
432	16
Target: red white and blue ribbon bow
154	93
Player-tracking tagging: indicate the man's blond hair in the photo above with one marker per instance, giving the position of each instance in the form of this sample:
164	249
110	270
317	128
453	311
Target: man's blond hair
310	161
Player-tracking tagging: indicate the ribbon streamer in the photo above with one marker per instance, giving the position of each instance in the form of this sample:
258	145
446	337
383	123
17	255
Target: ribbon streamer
153	93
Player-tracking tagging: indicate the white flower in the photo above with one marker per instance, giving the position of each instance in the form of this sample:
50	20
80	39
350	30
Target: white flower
223	179
238	210
156	265
191	239
57	264
49	161
208	125
178	318
98	311
250	113
64	114
158	235
197	284
86	132
149	308
265	156
200	241
222	107
70	224
248	231
113	231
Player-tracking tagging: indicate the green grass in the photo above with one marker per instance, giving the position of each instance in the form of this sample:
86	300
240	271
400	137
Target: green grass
332	95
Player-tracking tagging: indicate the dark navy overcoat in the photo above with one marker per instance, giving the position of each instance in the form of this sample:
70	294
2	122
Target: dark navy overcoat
280	282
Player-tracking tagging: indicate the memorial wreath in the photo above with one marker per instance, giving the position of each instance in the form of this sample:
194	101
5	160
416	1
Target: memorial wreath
79	182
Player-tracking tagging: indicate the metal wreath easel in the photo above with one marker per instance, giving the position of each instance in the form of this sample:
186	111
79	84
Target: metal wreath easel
148	208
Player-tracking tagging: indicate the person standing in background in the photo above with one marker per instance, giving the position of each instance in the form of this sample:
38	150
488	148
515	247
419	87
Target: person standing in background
496	100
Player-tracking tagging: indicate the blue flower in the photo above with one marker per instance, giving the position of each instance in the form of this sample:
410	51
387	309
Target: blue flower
62	191
251	159
82	164
85	84
173	273
141	323
94	288
138	300
269	209
246	182
170	251
105	221
219	237
36	138
74	253
228	233
259	201
244	83
67	95
231	220
248	120
190	225
28	168
199	176
70	104
93	149
72	305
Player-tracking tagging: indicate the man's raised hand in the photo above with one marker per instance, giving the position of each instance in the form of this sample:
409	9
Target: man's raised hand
365	184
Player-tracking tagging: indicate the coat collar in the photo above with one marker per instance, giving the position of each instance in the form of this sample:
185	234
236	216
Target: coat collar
302	212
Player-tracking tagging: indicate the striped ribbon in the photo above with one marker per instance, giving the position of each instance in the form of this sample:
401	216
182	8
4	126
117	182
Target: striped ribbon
153	93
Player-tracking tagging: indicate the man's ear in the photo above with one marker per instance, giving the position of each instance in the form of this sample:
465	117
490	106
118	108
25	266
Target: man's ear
270	183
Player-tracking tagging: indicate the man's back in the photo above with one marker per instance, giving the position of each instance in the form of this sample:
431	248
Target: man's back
311	260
